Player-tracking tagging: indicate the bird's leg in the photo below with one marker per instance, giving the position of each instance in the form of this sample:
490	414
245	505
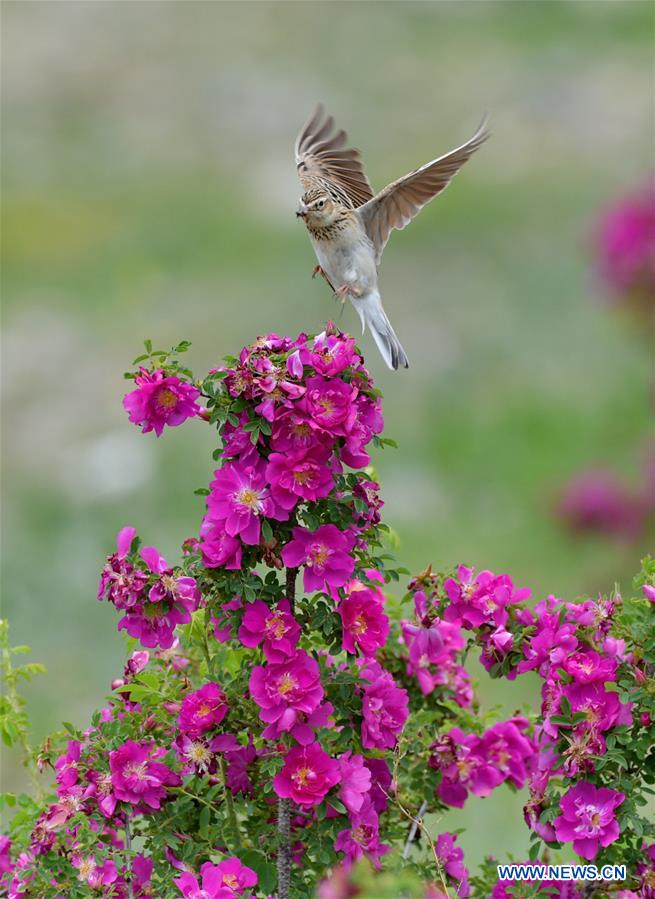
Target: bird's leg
347	290
319	271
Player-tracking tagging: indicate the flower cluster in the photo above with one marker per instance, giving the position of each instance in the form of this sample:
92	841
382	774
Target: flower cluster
154	598
478	764
279	715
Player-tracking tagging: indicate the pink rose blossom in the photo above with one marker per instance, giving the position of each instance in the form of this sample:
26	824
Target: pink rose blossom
138	777
202	710
307	776
284	689
363	837
303	475
324	553
239	497
588	818
120	582
329	405
211	884
365	625
355	781
385	709
160	400
218	549
275	627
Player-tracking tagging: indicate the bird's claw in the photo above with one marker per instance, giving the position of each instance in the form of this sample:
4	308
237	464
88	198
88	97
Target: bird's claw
319	271
347	290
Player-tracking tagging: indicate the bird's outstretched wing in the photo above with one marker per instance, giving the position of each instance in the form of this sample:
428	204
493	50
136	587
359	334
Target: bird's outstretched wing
324	160
399	202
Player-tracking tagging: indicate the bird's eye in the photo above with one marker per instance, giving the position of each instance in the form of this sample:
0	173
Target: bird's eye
321	204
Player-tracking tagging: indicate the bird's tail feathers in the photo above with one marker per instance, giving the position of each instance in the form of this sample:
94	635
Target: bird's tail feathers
372	314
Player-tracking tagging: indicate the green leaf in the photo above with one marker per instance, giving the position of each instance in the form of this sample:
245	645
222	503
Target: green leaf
264	869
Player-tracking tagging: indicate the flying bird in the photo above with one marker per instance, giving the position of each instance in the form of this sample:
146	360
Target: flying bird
349	225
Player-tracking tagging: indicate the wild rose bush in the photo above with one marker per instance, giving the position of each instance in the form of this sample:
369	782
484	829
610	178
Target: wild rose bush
281	720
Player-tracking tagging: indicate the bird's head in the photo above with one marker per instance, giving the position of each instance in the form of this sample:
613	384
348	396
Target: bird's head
317	209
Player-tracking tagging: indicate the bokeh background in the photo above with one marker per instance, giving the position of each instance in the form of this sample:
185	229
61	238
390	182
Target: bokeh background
149	191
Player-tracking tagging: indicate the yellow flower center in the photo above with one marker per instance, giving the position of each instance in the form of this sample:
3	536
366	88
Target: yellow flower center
136	770
248	498
169	582
302	776
204	710
302	477
166	399
319	554
327	405
359	625
231	881
275	625
301	429
286	684
199	754
86	869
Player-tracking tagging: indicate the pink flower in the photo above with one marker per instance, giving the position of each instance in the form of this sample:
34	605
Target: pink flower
307	776
595	501
452	860
292	432
385	708
66	765
137	777
365	625
218	549
284	689
551	643
203	710
363	837
464	768
649	592
480	600
237	877
587	667
238	762
626	245
469	763
95	875
160	400
276	627
169	588
120	582
5	856
506	746
240	498
210	886
304	475
588	818
355	781
332	353
154	623
381	781
329	405
324	553
603	708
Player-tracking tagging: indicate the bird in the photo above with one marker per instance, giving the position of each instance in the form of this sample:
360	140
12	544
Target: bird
349	225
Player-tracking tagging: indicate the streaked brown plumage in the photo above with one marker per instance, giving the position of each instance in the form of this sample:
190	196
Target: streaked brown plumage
349	225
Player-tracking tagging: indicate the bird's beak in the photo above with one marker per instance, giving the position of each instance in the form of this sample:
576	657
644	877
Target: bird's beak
301	212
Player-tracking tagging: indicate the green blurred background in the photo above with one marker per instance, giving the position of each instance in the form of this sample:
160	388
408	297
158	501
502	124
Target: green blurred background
149	191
